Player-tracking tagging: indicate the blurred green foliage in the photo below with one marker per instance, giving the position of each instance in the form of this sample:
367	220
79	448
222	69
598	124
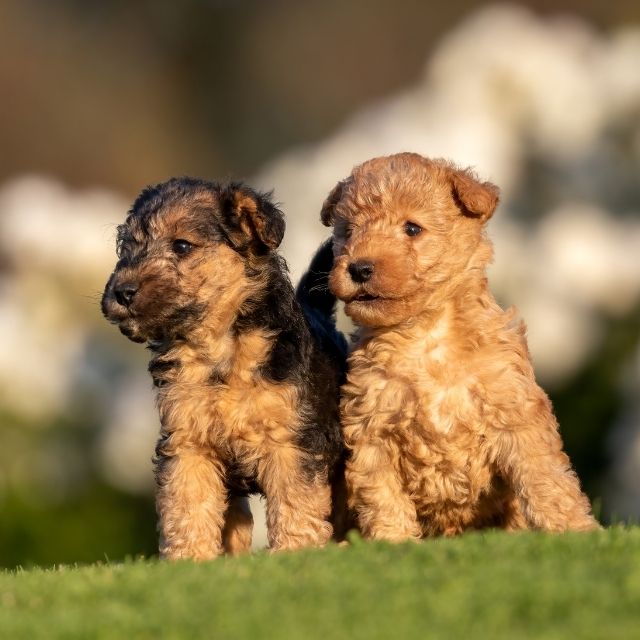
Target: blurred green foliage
99	523
590	402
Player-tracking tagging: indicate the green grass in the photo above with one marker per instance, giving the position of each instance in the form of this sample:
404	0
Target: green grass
490	585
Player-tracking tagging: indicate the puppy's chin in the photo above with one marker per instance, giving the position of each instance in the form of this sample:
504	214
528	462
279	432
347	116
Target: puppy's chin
380	312
132	330
371	307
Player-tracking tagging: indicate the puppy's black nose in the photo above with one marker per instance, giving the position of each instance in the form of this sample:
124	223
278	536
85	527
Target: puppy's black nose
361	270
124	293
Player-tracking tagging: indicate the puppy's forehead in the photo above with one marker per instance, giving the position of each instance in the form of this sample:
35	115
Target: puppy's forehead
385	191
186	216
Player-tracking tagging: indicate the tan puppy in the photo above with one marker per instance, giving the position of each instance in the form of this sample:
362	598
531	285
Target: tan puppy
447	427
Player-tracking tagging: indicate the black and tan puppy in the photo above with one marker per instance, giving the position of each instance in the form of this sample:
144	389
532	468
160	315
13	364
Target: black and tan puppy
247	382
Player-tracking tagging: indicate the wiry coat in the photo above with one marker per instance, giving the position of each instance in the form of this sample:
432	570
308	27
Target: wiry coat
446	426
247	395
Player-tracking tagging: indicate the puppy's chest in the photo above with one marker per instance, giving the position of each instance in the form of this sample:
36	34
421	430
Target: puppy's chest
429	414
228	406
412	394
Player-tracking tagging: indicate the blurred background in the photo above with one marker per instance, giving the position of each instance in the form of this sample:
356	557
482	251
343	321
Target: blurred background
100	98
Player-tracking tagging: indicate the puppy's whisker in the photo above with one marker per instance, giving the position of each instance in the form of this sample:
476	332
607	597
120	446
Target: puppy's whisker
319	287
93	297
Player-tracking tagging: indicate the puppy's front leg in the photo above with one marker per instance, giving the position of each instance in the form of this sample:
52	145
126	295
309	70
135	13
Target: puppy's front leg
298	503
191	503
531	458
384	510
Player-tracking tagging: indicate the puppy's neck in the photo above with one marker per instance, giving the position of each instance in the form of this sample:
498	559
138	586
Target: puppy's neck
235	333
465	296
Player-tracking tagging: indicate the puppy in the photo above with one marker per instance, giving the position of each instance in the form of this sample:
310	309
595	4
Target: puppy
446	426
247	392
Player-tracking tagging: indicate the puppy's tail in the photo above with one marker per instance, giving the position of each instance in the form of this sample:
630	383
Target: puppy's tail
313	290
319	304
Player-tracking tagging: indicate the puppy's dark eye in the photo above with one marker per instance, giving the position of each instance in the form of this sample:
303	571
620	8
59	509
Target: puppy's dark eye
412	229
181	247
348	230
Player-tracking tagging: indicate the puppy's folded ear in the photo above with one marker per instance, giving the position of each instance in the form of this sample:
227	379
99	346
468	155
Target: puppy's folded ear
250	220
476	199
328	211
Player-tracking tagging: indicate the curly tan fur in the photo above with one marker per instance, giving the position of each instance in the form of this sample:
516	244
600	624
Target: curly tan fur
447	428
